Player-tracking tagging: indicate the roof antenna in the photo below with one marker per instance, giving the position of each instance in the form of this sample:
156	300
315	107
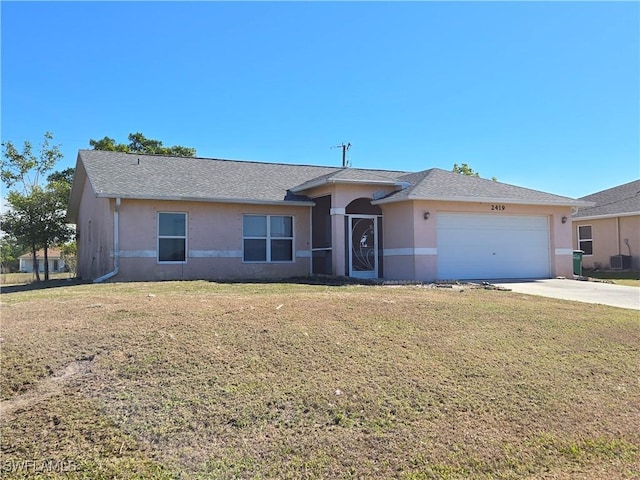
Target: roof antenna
344	147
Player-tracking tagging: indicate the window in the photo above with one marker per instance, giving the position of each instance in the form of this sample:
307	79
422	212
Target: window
172	237
267	238
585	239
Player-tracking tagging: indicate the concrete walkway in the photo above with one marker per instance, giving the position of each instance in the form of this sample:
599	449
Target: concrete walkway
580	291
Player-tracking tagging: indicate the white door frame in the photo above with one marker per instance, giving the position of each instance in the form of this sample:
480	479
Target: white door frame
366	273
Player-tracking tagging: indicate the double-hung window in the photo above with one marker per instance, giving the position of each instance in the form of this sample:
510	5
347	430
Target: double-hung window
172	237
267	238
585	239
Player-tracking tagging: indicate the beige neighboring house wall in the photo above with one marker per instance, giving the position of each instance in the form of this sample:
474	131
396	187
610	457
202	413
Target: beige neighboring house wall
613	219
610	236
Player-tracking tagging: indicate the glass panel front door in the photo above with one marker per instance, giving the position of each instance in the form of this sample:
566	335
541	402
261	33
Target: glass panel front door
363	246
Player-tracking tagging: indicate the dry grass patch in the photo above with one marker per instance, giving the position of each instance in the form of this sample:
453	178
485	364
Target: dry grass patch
27	278
195	379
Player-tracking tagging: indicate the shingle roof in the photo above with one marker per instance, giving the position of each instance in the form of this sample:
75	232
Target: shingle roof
126	175
437	184
621	200
129	175
352	175
52	252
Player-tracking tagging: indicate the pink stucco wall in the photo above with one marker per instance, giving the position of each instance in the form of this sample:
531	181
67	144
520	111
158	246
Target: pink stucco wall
94	232
214	239
405	229
214	242
609	235
341	196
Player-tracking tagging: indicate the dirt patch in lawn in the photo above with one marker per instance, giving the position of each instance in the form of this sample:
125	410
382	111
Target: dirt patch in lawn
46	387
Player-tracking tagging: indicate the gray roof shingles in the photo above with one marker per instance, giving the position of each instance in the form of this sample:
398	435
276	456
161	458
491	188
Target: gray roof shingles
126	175
621	200
120	174
440	184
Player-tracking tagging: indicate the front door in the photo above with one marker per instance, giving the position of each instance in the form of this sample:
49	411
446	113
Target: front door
363	246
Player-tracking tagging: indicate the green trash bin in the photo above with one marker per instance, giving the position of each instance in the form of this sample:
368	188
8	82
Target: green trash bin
577	262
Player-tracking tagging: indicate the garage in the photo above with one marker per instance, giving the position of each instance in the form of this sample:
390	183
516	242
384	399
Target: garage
486	246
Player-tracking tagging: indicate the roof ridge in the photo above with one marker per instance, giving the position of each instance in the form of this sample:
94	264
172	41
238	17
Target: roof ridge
231	160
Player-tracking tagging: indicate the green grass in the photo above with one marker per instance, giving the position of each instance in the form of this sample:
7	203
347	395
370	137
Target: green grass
631	279
206	380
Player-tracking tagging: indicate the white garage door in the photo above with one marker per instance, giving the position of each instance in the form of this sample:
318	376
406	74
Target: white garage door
485	246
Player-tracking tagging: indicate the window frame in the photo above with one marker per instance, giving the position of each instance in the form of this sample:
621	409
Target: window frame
268	238
184	237
581	240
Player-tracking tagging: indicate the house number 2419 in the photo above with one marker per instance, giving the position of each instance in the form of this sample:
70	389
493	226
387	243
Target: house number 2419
498	208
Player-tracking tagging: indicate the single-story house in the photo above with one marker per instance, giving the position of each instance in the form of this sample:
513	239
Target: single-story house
56	263
148	217
608	232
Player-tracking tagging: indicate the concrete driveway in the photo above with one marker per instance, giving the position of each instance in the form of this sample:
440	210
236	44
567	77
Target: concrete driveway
589	292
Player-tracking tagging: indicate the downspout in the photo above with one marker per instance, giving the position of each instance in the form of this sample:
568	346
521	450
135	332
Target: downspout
618	235
311	241
116	246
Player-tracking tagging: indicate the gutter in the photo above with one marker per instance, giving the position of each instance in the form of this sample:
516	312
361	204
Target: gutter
333	181
244	201
608	215
509	201
116	246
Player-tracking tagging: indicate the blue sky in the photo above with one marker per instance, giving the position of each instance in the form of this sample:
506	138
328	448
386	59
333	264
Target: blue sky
543	95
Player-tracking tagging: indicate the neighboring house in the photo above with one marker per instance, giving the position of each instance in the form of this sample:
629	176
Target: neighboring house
609	231
56	264
142	217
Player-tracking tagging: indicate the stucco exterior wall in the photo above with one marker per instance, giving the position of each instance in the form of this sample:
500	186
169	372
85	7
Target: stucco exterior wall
214	242
214	236
609	235
410	239
341	196
94	233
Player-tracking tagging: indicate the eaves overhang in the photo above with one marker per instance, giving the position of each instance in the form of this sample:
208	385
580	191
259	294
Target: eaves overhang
324	181
513	201
599	217
248	201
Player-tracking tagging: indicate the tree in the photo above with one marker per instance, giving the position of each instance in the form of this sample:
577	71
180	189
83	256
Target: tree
138	143
465	169
65	176
10	251
37	214
69	254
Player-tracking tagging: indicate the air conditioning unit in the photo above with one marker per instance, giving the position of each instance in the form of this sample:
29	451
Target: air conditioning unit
620	262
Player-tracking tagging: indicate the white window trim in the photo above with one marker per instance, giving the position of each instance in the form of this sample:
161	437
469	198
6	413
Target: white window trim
268	238
580	240
158	237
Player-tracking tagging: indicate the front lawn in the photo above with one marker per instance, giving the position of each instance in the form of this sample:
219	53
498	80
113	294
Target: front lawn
631	279
206	380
